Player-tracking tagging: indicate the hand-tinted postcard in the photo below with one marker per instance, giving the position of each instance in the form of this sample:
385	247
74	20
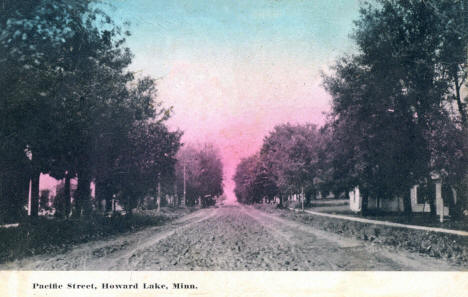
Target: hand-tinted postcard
223	143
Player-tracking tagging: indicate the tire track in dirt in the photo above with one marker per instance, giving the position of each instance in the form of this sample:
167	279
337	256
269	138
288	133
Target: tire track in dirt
285	237
347	253
123	260
94	255
230	238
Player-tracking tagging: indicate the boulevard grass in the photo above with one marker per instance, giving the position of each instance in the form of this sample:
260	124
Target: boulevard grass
50	235
453	248
419	219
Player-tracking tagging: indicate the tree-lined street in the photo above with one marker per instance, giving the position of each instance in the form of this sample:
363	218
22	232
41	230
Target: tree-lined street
96	161
232	237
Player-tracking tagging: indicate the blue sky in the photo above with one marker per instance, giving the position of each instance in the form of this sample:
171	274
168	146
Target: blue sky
166	30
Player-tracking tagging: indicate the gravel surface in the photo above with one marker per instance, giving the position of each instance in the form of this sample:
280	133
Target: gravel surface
230	238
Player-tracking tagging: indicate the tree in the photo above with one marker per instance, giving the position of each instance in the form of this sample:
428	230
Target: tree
148	156
95	94
186	168
378	144
263	184
334	162
130	104
201	169
30	47
253	181
210	176
68	100
244	179
290	154
390	100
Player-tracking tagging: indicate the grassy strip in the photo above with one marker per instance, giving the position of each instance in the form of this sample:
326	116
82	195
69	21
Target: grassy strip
418	219
43	235
438	245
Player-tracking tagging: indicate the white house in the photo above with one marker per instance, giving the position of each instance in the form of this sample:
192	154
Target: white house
396	204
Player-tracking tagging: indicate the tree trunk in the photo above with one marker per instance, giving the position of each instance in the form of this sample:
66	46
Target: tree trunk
83	195
103	194
462	189
432	206
108	203
365	201
407	203
35	193
99	194
128	206
449	198
308	196
460	104
454	211
463	194
107	196
129	213
67	194
14	189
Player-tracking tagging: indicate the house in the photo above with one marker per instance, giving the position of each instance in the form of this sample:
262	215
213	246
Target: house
391	205
320	196
418	204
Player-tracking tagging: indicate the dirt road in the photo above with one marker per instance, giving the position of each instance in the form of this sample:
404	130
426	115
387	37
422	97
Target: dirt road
230	238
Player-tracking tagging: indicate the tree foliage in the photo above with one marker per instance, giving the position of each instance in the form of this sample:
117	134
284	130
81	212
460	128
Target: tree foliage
397	116
254	182
202	170
69	102
390	112
146	158
287	164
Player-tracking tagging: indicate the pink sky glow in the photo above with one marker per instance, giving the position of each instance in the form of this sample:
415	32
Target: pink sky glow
234	108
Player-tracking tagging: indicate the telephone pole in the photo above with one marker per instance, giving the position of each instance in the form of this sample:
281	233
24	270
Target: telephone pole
29	156
184	200
302	198
159	192
176	196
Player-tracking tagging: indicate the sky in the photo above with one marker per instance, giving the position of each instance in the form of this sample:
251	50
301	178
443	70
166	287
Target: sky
232	70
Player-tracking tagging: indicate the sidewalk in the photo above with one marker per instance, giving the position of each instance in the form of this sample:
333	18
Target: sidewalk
9	225
385	223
